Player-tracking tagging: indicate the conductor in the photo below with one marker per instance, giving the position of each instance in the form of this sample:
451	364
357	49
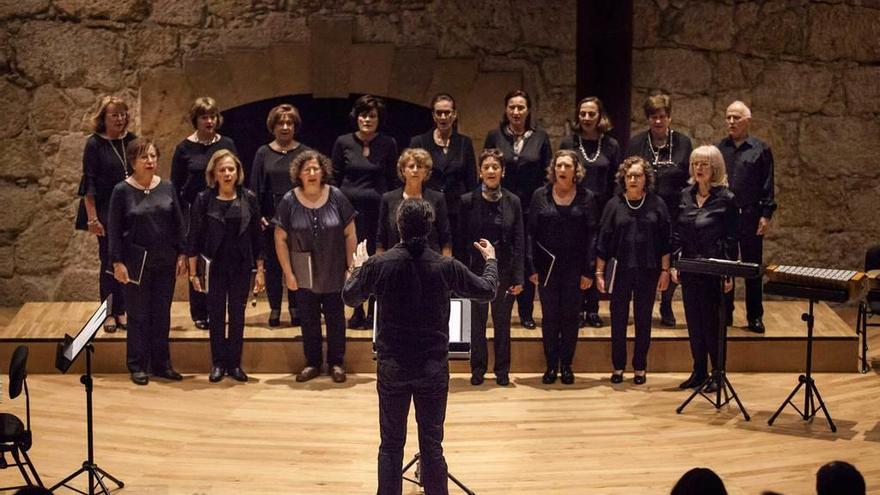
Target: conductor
412	285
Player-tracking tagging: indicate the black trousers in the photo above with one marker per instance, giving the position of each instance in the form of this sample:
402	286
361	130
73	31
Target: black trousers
228	287
198	301
591	299
366	224
275	276
149	319
310	307
525	301
560	304
638	286
701	299
107	283
666	300
751	249
502	306
427	387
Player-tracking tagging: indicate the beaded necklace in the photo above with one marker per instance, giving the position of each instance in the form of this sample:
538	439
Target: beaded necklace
598	148
656	152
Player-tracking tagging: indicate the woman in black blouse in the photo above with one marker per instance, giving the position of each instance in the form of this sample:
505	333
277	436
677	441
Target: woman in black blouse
188	175
600	155
270	181
526	152
454	172
561	231
316	222
414	168
493	213
706	228
225	229
668	151
105	164
364	169
634	231
145	218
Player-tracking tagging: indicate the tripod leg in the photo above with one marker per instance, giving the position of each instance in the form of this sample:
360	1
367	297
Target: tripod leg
691	397
32	468
736	398
27	479
105	474
785	403
824	409
459	484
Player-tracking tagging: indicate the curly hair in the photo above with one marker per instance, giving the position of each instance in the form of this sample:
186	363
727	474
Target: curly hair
579	173
305	157
650	176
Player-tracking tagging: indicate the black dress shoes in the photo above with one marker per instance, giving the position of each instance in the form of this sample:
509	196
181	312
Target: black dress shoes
595	320
711	386
201	324
502	380
476	379
216	374
529	323
616	377
756	325
294	319
567	375
307	373
693	381
169	374
356	322
667	320
237	374
140	378
640	379
275	318
549	376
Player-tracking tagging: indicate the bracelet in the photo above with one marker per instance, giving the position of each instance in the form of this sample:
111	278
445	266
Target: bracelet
599	273
93	221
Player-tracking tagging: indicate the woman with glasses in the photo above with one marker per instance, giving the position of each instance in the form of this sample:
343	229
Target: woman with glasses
414	167
105	164
452	154
188	175
634	232
668	152
561	232
600	154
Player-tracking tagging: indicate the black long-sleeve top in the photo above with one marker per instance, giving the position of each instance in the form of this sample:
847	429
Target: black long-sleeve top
568	232
152	221
103	166
364	179
600	173
270	176
209	226
412	295
636	237
709	231
672	172
189	163
475	213
527	171
454	172
388	235
750	173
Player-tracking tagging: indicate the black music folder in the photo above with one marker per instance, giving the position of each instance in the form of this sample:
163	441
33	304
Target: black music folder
301	263
134	259
610	274
203	271
544	259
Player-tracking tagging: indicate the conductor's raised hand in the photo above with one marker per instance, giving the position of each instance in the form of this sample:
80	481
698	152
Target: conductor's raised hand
360	255
486	249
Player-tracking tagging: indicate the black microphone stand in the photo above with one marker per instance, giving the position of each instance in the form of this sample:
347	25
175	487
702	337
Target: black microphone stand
417	479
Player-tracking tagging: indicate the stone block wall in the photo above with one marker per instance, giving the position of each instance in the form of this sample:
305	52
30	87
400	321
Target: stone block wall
809	70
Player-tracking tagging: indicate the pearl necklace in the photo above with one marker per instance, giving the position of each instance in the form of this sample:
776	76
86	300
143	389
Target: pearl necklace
656	152
598	148
631	207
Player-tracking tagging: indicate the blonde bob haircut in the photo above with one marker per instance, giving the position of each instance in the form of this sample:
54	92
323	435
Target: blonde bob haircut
418	155
215	160
97	120
580	171
716	163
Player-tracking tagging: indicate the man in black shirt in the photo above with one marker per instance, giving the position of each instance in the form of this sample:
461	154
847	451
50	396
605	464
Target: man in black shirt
412	285
749	163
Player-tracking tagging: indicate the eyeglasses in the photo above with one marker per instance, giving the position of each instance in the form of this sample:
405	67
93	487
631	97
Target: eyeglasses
702	165
443	113
122	115
311	170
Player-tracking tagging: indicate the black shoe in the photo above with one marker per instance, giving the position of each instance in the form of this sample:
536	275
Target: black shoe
294	318
583	322
201	324
237	374
308	373
337	373
549	376
216	374
667	319
529	323
502	380
711	386
368	321
140	378
169	374
595	320
567	375
694	380
476	379
616	377
756	325
356	322
275	318
640	379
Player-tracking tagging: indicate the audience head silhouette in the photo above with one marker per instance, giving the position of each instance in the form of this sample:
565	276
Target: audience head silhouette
839	478
699	481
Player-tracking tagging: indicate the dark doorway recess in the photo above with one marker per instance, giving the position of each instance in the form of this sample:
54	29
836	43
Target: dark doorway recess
324	119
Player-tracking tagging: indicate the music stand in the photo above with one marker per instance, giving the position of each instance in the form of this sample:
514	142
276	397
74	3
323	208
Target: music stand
719	374
66	354
805	380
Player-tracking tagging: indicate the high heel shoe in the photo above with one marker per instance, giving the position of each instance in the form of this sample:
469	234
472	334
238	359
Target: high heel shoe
617	377
274	317
640	379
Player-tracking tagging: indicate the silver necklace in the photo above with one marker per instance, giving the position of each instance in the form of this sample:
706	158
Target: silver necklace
438	140
598	149
631	207
122	158
656	152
